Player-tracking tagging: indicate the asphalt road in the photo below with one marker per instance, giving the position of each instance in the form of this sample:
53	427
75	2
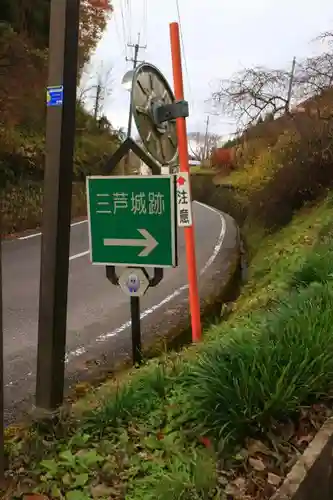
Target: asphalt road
98	312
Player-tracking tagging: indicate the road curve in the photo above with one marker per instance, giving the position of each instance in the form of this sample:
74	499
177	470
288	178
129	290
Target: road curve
98	312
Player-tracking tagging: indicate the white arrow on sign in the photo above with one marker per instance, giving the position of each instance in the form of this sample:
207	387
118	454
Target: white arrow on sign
149	242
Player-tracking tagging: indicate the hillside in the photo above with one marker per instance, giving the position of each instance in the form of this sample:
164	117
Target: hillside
23	79
280	164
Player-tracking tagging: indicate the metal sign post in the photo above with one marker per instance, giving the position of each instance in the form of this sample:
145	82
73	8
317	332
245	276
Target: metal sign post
60	134
141	209
132	224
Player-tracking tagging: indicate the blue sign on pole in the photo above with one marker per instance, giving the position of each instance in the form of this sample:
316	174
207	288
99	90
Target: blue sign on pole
55	95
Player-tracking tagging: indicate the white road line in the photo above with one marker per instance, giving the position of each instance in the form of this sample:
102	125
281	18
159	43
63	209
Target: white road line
29	236
39	234
102	338
79	222
77	255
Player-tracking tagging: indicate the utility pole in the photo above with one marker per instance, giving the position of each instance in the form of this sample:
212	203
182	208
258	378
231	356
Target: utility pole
291	81
97	100
135	61
205	155
60	136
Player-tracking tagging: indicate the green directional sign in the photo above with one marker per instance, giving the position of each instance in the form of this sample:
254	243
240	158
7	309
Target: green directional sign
132	220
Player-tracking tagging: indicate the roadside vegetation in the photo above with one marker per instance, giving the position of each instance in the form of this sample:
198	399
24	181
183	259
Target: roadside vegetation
229	417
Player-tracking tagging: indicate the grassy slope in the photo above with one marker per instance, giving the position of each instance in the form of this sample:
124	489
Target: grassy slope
143	437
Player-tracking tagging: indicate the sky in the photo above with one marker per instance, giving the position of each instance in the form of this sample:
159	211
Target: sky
220	38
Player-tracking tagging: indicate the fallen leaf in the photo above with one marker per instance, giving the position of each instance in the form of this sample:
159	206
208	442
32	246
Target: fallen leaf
236	488
256	446
257	464
82	389
205	441
222	480
273	479
101	491
160	436
304	439
288	431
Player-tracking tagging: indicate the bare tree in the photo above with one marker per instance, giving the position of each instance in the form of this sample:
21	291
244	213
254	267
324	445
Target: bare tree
201	145
254	93
262	94
316	73
96	87
315	90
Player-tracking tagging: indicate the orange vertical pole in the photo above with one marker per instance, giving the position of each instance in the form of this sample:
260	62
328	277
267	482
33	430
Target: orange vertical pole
184	167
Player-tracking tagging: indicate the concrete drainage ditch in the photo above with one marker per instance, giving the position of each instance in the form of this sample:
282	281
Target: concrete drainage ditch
311	478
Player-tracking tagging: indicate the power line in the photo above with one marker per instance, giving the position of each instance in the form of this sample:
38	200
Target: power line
126	17
129	14
146	18
123	20
145	21
121	40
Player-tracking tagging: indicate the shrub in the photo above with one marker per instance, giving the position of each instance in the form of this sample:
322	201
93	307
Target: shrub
253	177
202	187
230	202
22	204
21	156
305	175
91	154
266	371
248	152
